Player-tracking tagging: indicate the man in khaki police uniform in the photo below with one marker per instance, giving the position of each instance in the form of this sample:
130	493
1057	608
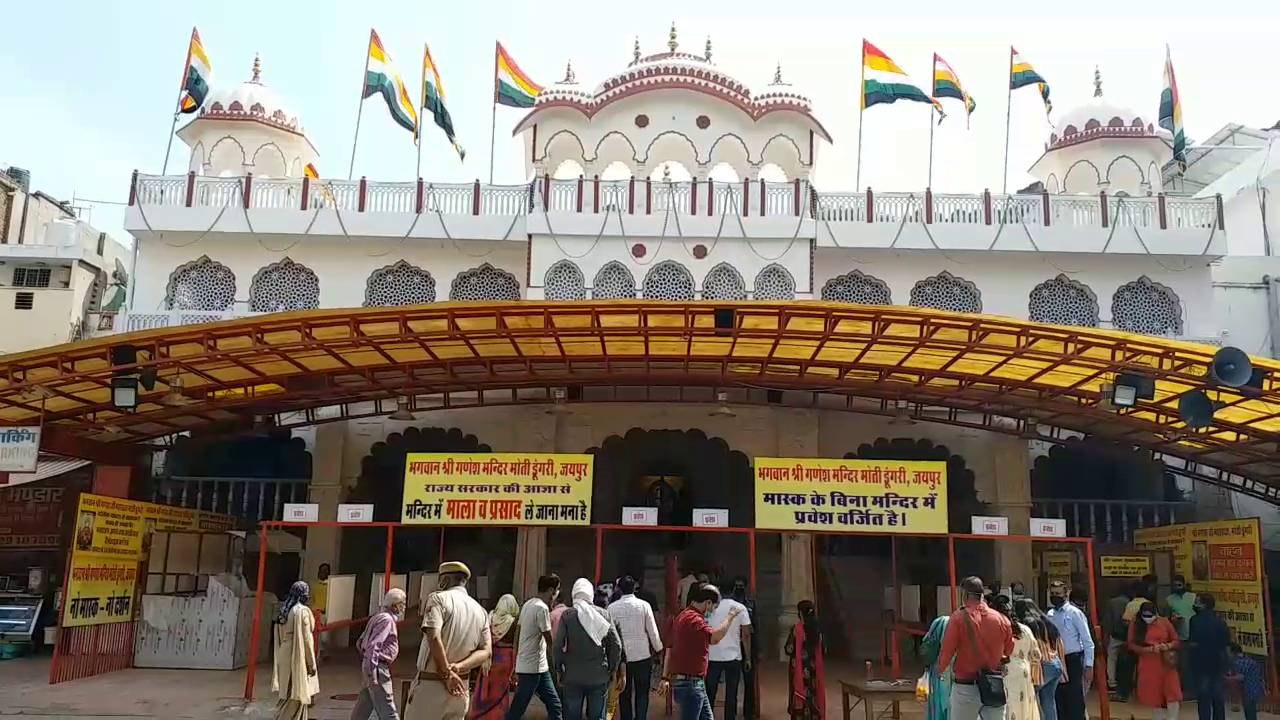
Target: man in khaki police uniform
456	640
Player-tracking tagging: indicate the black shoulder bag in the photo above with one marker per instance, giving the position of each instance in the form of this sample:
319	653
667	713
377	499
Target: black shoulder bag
990	682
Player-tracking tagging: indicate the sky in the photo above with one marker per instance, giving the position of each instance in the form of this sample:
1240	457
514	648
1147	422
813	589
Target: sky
98	101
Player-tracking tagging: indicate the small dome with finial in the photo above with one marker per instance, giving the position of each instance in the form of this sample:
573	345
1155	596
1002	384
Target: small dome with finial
635	51
707	52
566	89
1098	118
569	77
672	41
777	77
251	100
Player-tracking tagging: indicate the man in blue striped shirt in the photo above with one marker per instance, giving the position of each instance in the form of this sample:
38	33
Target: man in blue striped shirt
1073	626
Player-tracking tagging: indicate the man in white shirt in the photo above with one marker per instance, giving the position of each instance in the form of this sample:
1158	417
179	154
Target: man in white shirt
533	671
638	629
727	657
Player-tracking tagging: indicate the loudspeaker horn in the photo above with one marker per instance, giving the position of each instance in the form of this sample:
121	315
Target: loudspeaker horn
1196	409
1231	367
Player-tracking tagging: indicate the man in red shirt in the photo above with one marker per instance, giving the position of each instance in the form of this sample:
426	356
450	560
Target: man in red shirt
979	639
691	640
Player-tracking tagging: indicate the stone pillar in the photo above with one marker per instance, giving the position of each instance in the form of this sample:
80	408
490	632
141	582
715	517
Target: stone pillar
1011	464
536	432
326	491
797	436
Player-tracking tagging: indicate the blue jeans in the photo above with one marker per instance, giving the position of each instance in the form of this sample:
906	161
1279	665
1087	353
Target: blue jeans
691	696
1047	694
1211	697
529	684
596	697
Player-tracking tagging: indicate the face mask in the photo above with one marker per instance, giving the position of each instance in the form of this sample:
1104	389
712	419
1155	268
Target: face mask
1148	619
1197	607
1058	601
1179	589
739	592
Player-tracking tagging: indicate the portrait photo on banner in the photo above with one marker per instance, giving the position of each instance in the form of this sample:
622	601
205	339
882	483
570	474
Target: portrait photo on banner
497	489
850	495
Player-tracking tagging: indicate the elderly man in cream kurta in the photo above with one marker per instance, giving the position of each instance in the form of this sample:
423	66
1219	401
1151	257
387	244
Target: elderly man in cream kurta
455	641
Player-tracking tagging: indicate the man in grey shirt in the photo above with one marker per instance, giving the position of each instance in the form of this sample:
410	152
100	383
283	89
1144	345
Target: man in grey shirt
586	652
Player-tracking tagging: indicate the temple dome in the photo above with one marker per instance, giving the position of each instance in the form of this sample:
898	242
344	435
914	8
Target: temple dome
252	101
1098	118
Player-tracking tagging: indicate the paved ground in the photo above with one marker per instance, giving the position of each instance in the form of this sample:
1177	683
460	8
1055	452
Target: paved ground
217	695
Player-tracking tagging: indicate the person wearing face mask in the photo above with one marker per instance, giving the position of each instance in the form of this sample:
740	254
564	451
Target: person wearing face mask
752	657
379	645
729	657
1179	607
980	641
1155	641
533	666
685	667
1206	657
456	640
1077	640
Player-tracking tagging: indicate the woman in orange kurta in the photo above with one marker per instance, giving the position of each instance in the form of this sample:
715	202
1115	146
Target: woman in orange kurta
1154	640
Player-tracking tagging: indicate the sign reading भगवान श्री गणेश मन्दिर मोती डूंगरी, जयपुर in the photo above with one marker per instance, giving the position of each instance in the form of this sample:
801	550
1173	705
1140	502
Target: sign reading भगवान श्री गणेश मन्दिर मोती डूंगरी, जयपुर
497	489
860	496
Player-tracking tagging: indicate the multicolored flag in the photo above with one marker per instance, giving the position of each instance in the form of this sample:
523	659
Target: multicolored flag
381	78
311	172
1021	74
511	87
433	100
1171	113
883	82
195	78
946	84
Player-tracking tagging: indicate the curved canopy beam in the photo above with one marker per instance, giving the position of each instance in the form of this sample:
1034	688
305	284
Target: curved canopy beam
233	371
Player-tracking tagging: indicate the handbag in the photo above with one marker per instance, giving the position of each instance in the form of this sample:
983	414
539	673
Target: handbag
990	682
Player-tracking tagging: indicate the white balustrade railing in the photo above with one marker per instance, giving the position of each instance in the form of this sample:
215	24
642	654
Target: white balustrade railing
649	197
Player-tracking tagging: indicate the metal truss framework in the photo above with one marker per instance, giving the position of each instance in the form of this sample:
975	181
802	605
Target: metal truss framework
949	367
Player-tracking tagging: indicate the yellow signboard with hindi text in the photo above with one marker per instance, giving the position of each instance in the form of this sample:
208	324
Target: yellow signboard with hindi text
497	489
859	496
1124	566
99	591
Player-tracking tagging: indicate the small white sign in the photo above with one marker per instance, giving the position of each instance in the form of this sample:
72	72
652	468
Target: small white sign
710	517
301	512
988	525
19	448
1048	527
644	516
351	513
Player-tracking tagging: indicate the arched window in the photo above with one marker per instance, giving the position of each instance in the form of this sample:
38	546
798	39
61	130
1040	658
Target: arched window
857	288
399	284
614	282
284	286
723	283
775	283
945	291
485	283
564	281
1063	301
1147	307
202	285
668	280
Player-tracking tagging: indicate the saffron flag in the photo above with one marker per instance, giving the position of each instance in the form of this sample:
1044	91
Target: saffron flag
1021	74
195	79
511	87
433	100
946	84
1171	113
883	82
310	171
381	78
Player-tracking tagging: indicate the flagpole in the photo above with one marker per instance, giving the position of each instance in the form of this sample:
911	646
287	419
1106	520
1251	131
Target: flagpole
355	140
422	87
493	122
862	105
929	184
1008	116
177	111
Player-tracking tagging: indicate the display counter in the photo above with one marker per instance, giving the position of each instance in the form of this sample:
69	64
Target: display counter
19	616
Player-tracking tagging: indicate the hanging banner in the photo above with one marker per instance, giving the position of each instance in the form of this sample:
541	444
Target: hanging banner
1057	565
110	527
860	496
99	591
1223	557
497	489
19	448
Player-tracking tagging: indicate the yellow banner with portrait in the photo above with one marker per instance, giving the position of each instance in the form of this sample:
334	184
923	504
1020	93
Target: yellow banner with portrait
859	496
1223	558
99	591
497	489
116	528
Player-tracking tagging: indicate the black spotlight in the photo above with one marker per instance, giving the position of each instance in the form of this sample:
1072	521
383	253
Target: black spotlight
1231	367
726	320
1196	409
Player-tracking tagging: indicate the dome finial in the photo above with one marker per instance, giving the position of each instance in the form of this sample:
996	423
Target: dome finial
777	76
707	52
1097	82
569	77
635	50
257	69
672	41
666	172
